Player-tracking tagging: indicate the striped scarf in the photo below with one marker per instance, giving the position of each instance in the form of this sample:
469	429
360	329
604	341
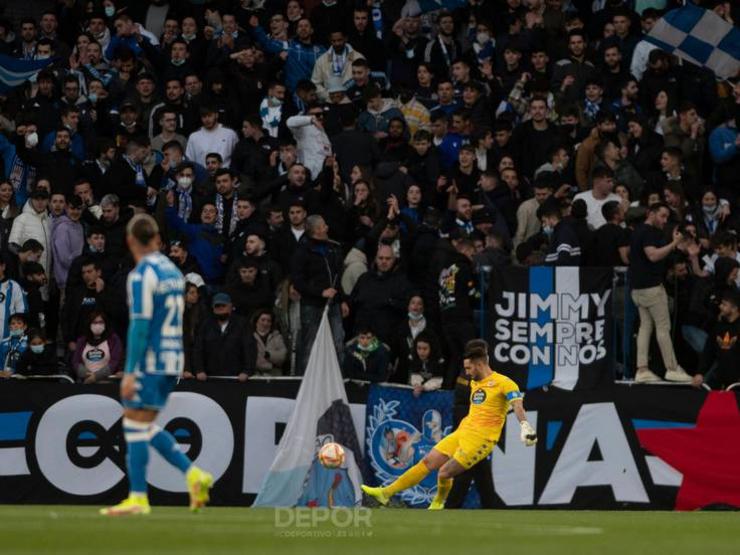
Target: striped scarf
220	218
270	116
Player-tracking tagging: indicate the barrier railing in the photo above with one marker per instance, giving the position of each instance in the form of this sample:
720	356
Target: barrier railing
62	377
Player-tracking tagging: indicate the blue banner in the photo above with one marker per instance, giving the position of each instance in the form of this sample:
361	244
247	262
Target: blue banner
15	72
401	429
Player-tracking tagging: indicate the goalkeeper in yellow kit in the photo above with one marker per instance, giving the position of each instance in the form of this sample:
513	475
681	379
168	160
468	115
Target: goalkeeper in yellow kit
491	394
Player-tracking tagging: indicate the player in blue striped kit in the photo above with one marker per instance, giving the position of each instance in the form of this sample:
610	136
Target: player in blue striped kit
154	361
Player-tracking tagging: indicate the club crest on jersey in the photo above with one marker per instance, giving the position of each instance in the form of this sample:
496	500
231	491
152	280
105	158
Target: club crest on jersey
478	397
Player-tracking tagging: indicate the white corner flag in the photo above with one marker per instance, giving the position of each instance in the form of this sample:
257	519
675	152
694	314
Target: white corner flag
701	37
321	414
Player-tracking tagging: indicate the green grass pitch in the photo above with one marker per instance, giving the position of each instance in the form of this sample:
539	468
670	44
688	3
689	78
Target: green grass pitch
173	530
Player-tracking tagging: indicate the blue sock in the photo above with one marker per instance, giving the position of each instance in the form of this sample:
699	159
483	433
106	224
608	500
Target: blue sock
137	454
165	443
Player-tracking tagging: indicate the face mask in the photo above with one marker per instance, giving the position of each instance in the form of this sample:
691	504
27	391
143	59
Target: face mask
178	62
92	97
32	139
110	11
189	36
94	249
221	317
415	316
16	332
184	183
482	38
709	209
97	329
37	349
547	230
43	56
274	102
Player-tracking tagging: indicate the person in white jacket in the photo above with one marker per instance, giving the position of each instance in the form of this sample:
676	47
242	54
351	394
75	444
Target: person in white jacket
33	223
212	137
335	63
312	143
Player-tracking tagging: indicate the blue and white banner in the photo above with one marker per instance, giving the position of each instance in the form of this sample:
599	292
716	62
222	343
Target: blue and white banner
15	72
552	325
401	430
321	415
701	37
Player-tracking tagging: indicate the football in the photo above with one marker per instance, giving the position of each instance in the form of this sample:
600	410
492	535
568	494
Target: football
331	455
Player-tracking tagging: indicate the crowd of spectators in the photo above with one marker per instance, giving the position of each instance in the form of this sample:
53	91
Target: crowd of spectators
368	156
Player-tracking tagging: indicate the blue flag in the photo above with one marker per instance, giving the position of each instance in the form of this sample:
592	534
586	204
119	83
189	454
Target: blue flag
15	72
701	37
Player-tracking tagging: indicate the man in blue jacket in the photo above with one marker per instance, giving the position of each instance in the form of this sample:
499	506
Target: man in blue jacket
300	54
205	242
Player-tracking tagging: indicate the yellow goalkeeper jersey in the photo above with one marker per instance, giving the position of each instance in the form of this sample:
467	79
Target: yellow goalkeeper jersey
489	403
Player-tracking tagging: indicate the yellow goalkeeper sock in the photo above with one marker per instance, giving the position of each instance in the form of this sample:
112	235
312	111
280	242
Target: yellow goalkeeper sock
410	478
444	485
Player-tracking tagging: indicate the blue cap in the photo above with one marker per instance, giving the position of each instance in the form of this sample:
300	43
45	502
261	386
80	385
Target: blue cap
220	298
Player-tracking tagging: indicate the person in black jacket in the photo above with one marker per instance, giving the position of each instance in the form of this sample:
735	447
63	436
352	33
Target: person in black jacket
367	357
127	177
720	363
33	279
380	295
94	250
250	289
586	236
643	146
457	298
353	147
224	346
564	248
113	221
316	268
93	294
285	241
39	359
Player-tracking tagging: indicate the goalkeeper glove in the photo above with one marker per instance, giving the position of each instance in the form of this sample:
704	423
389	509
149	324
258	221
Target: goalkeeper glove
528	435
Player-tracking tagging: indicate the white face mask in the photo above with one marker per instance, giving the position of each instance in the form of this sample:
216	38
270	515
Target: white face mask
110	11
97	329
184	183
482	38
32	139
43	56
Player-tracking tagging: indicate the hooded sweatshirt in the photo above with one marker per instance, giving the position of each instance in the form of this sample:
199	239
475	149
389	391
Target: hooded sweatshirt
373	121
67	242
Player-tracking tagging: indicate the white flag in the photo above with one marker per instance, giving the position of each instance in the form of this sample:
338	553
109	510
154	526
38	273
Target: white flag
321	414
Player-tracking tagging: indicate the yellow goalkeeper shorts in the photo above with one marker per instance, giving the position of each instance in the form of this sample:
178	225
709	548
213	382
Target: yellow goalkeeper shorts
467	449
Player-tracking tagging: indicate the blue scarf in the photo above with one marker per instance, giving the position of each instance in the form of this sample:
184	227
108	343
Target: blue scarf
591	109
139	169
377	15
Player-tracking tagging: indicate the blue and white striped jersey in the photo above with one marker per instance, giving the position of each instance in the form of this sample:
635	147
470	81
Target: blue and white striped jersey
12	301
156	290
